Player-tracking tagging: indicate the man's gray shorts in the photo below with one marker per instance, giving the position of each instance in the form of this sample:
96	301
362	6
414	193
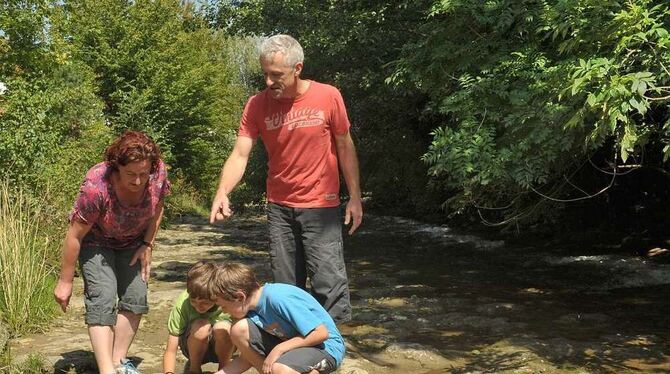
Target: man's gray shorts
302	360
109	278
307	243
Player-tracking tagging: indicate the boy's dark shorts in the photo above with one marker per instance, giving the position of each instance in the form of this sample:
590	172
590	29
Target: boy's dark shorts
302	360
210	354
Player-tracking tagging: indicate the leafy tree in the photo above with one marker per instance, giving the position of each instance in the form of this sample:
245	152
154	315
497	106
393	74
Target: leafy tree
48	102
161	70
532	90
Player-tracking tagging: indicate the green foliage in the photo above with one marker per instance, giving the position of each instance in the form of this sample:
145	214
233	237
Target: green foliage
528	90
59	108
629	80
33	364
184	200
161	70
22	40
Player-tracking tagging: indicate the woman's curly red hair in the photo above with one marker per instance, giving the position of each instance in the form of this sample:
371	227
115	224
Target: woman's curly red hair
130	147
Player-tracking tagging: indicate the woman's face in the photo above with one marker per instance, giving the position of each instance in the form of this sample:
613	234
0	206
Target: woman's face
135	175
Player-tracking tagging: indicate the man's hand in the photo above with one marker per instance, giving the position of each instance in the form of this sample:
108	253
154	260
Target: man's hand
220	209
62	293
144	255
354	211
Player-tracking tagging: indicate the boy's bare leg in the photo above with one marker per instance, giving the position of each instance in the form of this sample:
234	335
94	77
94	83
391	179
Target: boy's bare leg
198	341
278	368
223	345
236	366
124	333
102	341
239	333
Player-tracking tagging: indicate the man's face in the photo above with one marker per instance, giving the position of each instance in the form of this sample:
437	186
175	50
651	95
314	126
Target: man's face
280	79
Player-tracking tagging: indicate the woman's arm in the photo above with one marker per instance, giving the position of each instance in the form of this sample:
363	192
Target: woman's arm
144	252
70	253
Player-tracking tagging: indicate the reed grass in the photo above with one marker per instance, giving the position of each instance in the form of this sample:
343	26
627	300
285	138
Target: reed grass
26	279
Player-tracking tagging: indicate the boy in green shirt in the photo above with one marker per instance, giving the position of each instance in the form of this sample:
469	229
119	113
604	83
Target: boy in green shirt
196	325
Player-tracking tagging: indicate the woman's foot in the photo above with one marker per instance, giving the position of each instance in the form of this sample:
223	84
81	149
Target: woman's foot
126	367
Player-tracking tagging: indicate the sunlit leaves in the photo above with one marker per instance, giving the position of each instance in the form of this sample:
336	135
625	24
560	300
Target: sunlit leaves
591	73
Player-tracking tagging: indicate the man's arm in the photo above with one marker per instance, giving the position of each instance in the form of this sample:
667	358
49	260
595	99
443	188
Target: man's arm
315	337
231	174
346	155
170	355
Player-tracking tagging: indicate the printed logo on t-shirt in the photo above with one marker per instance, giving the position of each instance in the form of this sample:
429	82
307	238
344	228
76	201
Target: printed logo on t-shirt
330	196
303	117
275	330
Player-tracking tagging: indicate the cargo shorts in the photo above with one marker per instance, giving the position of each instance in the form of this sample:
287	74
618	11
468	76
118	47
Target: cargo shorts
111	284
302	360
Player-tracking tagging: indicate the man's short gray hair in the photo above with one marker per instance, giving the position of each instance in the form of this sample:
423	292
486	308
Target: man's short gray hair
283	44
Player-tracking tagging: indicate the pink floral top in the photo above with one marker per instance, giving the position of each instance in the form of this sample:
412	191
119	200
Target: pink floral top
116	226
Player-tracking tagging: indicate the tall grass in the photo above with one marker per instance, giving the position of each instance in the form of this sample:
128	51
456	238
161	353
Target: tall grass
26	281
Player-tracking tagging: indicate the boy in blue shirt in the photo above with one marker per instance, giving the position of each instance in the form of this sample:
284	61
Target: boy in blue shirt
196	325
282	329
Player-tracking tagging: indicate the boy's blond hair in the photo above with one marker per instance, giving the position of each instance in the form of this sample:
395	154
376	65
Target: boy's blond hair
233	277
198	280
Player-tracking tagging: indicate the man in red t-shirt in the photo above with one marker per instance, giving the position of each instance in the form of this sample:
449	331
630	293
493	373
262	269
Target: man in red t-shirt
305	130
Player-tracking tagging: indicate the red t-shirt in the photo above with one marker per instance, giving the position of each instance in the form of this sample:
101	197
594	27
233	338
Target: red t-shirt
298	134
115	226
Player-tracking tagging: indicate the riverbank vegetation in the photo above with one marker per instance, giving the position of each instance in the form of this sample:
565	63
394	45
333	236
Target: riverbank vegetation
507	113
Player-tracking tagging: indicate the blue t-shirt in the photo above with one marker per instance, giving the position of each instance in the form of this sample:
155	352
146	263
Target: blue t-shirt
287	311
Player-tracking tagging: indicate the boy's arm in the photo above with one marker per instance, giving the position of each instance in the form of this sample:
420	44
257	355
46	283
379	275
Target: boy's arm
315	337
170	355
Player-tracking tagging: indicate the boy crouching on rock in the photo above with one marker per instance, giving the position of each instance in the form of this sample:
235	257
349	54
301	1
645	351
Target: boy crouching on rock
282	328
196	325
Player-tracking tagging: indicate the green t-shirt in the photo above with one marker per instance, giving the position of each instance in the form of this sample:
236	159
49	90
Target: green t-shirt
183	313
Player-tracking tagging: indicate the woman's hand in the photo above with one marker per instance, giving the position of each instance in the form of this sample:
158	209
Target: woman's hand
144	255
62	293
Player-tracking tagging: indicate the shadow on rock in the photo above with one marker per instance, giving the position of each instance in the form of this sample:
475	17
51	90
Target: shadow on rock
171	271
82	362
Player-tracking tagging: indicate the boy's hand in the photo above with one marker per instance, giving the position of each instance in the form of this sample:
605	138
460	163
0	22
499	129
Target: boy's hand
62	294
270	359
144	255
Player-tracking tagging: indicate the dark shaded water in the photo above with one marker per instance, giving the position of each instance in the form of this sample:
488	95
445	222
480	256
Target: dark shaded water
492	308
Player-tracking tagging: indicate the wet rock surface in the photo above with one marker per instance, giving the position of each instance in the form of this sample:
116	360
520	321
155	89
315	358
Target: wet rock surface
427	299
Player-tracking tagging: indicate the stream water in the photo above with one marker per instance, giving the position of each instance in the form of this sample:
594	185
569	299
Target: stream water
488	307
